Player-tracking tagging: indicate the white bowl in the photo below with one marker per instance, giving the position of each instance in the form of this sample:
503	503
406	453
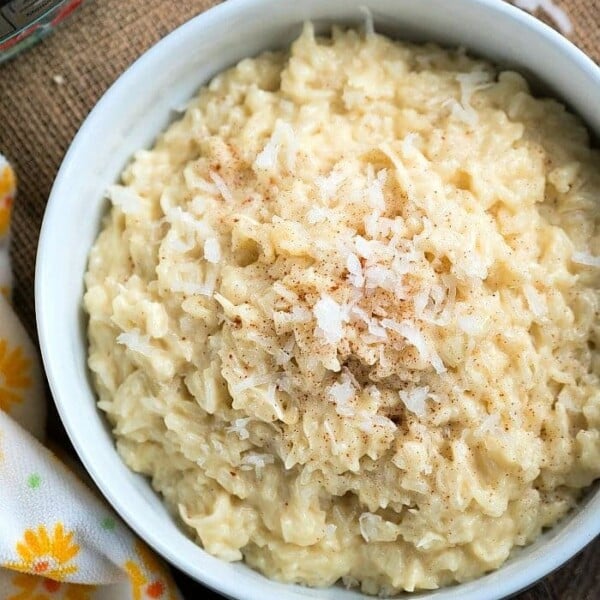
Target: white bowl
136	108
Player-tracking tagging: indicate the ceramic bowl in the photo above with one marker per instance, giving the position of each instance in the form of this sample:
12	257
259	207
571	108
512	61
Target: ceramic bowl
129	116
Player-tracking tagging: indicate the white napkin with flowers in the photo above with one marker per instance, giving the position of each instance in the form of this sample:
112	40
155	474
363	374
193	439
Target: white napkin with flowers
58	541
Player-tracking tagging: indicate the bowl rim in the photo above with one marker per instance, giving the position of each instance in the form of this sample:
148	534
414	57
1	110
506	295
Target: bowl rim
577	539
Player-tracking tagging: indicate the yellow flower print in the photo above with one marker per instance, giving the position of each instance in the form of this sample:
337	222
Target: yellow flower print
8	186
32	587
149	579
47	555
14	375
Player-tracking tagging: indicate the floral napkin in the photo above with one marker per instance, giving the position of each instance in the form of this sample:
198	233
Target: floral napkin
58	541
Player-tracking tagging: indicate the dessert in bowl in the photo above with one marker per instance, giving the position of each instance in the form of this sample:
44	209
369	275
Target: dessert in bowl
340	313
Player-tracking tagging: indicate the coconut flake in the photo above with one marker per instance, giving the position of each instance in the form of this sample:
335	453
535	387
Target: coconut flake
268	157
354	267
370	423
414	399
175	215
415	338
189	288
374	528
363	247
374	188
254	460
369	24
239	428
566	400
341	393
420	301
408	142
536	301
271	398
298	315
329	184
330	319
212	250
436	362
470	83
376	329
249	382
377	276
428	539
204	186
489	425
221	186
135	341
469	324
172	242
410	333
285	292
373	325
585	258
317	214
125	198
184	281
335	447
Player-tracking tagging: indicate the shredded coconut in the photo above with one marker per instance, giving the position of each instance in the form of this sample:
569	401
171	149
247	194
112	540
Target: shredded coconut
212	250
536	301
375	188
239	428
330	319
585	258
329	185
125	198
369	24
369	423
252	381
354	267
471	325
185	281
374	528
341	392
415	399
283	135
135	341
414	337
222	186
335	447
470	83
489	425
317	214
363	247
257	461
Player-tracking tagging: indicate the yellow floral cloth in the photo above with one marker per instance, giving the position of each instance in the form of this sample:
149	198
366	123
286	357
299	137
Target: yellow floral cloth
58	541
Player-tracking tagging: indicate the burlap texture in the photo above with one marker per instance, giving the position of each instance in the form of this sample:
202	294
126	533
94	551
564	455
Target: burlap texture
39	117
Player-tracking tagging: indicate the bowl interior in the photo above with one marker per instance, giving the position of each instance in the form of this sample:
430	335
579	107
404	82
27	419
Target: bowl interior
138	106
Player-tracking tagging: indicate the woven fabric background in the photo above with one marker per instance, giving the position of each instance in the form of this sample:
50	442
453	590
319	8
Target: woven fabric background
47	92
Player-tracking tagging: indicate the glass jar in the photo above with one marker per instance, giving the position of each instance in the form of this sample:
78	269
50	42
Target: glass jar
24	22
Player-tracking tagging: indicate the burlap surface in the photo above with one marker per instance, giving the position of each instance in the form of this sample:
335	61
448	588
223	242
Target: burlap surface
39	117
